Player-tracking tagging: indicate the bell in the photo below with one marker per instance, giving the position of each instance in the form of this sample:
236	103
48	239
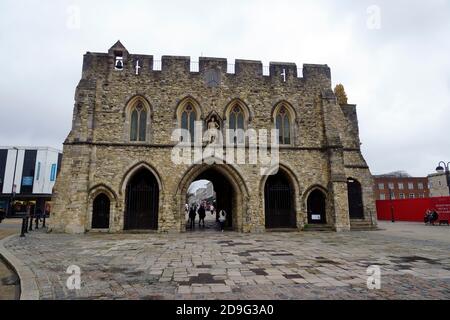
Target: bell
119	64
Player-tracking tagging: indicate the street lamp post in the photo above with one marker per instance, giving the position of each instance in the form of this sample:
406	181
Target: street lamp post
445	169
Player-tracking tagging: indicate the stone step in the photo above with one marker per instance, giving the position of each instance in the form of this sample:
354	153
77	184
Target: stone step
318	227
361	225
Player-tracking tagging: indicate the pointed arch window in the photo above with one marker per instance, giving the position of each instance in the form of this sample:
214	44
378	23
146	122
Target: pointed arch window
236	124
188	117
138	128
284	126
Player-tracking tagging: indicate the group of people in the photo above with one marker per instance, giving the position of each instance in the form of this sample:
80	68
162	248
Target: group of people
431	216
192	210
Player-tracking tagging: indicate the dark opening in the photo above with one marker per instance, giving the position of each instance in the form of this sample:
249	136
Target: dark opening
221	199
355	203
279	203
142	202
100	212
316	207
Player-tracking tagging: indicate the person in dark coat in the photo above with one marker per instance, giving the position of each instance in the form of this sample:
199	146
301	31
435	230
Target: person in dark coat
192	214
201	215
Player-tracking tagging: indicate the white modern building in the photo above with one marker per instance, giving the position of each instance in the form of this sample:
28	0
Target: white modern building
27	177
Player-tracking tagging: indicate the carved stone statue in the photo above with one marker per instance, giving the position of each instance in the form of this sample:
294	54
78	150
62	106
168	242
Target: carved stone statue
213	130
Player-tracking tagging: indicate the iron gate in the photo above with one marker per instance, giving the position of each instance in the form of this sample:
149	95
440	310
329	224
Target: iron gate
279	211
142	202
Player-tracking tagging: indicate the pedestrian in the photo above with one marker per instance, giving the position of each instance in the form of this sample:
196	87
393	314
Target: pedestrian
192	215
201	215
222	219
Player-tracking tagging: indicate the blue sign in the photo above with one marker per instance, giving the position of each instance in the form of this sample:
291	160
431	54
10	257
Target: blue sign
27	181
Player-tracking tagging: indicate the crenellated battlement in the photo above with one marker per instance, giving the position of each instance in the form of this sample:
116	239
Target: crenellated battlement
119	60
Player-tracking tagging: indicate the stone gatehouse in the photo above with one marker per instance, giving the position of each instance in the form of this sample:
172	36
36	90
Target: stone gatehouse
117	173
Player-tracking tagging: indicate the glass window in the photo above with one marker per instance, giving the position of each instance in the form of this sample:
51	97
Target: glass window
138	126
236	122
411	196
391	185
410	185
53	172
188	118
401	196
382	196
381	186
38	171
420	185
283	126
400	186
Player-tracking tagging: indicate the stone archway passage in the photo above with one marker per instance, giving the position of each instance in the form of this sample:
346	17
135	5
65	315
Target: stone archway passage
225	198
142	202
316	207
279	202
355	203
100	212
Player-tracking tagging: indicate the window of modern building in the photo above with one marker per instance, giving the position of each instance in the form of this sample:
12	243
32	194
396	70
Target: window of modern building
53	172
38	170
400	186
381	186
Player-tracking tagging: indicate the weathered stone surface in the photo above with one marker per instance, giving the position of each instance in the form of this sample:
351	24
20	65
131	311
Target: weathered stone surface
99	156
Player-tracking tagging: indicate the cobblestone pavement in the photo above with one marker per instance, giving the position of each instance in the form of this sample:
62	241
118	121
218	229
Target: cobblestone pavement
215	265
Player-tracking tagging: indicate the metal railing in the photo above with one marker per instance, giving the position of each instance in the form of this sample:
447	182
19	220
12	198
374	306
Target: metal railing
195	66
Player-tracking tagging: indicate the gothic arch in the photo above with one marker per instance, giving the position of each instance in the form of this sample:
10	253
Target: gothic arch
284	109
233	176
92	195
294	183
135	168
129	107
180	107
248	113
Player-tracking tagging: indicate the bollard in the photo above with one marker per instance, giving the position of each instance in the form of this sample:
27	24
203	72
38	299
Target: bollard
26	224
37	222
22	232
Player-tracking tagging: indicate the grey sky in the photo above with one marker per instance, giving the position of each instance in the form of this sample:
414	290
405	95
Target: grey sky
398	75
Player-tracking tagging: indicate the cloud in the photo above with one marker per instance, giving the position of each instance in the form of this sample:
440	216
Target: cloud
399	75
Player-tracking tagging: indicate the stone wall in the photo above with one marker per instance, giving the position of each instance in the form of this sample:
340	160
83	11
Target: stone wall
99	157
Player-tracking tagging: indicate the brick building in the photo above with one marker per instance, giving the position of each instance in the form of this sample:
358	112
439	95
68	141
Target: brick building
402	187
117	172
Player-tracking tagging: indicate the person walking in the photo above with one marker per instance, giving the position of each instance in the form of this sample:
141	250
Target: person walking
192	214
201	215
222	219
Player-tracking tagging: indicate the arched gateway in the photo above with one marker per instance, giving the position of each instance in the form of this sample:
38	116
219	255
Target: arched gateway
230	189
141	201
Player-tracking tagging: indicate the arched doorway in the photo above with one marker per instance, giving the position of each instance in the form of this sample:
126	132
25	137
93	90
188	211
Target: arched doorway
355	203
100	212
224	197
142	201
316	207
279	202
